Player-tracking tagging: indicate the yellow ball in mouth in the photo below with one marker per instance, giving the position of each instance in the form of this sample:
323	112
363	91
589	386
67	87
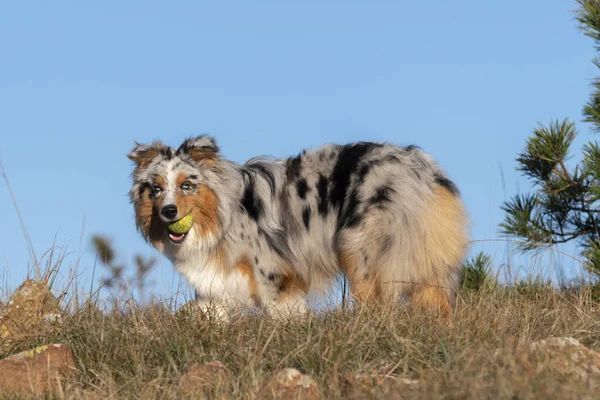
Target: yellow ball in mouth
183	225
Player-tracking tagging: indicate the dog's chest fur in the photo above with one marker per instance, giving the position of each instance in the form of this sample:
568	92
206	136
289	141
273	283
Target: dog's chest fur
207	273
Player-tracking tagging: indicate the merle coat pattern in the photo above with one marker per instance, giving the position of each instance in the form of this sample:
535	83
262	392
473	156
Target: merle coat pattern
268	231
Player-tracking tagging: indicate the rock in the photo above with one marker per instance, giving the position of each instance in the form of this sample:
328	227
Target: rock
206	381
567	356
563	356
290	384
363	386
31	306
37	371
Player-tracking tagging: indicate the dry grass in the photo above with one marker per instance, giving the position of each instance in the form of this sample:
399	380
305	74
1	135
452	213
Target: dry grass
123	352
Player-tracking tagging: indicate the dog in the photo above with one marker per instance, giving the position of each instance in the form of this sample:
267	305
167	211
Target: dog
267	231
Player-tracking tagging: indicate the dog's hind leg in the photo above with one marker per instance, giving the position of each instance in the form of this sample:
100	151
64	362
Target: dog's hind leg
413	251
443	247
364	284
433	299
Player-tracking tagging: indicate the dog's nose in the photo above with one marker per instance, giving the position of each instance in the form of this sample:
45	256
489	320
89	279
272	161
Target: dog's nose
169	211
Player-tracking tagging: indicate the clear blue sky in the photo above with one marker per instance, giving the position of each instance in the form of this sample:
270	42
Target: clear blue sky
79	82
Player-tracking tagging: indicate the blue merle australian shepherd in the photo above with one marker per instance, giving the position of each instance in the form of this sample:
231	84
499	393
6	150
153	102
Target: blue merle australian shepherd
268	231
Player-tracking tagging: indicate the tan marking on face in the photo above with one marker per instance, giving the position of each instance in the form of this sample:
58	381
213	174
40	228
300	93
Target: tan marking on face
181	178
203	206
160	181
148	220
159	201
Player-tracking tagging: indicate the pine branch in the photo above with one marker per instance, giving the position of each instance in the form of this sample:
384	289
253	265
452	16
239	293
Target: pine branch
588	16
546	149
565	206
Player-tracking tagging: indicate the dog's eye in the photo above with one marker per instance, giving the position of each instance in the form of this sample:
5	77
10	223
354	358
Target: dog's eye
156	189
186	186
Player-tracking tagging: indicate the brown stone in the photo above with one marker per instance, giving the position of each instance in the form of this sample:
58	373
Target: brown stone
37	371
206	381
563	356
566	355
290	384
31	306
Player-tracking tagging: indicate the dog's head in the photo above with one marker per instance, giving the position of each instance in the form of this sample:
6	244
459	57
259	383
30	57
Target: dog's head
169	184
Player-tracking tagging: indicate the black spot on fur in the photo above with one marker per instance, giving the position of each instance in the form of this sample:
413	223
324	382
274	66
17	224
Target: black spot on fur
256	263
262	272
251	203
265	172
351	217
386	244
272	276
193	176
143	187
412	147
347	163
166	152
446	183
363	171
382	195
366	167
293	168
322	199
306	217
302	188
277	241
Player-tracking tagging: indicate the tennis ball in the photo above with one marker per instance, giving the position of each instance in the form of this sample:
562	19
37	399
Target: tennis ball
183	225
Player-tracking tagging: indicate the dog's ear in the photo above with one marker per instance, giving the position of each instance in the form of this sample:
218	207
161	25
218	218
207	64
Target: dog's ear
143	154
201	148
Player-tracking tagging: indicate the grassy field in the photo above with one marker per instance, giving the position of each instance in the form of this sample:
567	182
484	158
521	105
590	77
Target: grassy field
126	351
